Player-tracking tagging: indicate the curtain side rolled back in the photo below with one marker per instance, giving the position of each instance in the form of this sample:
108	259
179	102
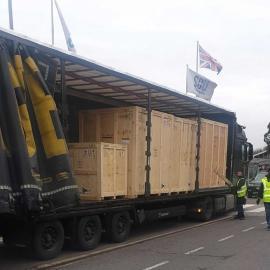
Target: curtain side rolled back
29	192
58	185
6	199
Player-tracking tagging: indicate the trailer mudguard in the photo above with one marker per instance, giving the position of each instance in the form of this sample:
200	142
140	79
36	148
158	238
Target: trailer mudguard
58	182
25	188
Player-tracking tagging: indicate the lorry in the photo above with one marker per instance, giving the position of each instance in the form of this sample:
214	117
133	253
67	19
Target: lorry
42	90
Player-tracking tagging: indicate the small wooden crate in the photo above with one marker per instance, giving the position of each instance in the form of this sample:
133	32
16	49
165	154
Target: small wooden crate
100	169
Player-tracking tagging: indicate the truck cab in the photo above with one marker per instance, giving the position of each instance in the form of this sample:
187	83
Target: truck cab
243	151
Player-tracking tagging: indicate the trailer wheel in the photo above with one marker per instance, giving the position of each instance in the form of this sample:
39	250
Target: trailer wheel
48	240
88	232
207	209
119	227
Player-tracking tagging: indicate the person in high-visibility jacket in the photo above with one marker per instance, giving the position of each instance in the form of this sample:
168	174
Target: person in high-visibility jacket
264	194
241	192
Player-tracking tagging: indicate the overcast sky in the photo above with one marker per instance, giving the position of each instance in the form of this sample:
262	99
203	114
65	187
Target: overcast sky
155	39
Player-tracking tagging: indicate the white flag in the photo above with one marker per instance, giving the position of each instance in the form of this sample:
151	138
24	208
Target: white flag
200	85
69	42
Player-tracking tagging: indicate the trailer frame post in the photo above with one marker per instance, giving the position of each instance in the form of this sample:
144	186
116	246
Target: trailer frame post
64	106
198	147
148	138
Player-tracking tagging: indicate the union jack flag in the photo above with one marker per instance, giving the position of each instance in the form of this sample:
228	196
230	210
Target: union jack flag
207	61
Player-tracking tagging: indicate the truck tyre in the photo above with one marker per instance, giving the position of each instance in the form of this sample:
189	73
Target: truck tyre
48	240
89	231
207	209
119	227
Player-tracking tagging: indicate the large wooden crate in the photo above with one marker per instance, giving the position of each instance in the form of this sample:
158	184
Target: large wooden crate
213	153
124	126
100	169
128	125
182	177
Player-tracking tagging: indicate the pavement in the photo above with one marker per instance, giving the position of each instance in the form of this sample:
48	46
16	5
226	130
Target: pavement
224	244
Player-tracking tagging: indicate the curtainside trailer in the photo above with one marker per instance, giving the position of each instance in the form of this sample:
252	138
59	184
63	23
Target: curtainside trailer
43	93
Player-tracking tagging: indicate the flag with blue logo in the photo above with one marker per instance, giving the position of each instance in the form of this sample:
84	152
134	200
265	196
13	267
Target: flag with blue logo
199	85
67	34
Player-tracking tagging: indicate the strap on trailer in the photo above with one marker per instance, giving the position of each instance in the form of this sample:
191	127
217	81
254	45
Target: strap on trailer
198	147
148	143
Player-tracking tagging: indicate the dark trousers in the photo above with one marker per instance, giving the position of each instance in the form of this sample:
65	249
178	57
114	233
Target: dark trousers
267	212
240	208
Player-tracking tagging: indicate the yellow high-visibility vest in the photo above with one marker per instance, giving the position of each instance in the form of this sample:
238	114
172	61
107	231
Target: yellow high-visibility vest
266	190
243	190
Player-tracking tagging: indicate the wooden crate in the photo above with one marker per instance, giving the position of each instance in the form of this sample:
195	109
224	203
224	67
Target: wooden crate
183	155
188	162
128	126
156	142
166	149
213	153
100	169
97	125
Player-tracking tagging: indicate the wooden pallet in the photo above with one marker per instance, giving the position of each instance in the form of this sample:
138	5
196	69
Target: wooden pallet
174	193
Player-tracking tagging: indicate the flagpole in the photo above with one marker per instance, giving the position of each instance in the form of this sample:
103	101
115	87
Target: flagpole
10	12
186	80
197	56
52	22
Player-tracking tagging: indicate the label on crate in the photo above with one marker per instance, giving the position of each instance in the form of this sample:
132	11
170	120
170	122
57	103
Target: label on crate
125	141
